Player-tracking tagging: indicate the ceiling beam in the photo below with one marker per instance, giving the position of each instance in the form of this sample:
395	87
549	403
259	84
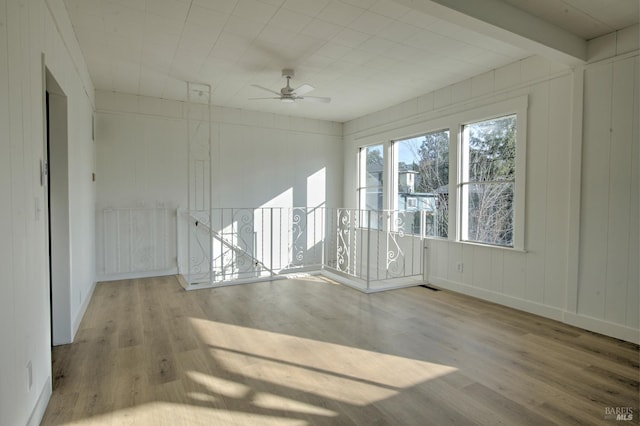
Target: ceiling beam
509	24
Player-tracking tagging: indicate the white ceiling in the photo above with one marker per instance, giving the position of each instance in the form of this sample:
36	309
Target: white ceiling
364	54
585	18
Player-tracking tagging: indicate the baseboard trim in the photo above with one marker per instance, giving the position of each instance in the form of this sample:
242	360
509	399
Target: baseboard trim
78	319
136	275
361	285
206	285
603	327
343	280
588	323
41	405
346	281
499	298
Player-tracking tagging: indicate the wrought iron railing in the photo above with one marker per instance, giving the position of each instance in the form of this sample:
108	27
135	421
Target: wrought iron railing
233	245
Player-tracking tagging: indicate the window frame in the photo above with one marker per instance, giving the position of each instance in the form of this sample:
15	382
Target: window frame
361	190
394	175
465	182
514	107
454	118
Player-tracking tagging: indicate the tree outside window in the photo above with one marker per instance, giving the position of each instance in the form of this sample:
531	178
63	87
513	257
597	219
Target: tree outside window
422	189
488	170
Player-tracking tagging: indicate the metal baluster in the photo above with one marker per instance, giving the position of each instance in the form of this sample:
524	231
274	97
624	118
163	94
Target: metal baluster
368	249
271	240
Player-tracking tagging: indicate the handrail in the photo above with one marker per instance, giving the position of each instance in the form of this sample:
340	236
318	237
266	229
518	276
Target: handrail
229	244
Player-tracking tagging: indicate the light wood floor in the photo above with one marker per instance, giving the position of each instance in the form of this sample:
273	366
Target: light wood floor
308	351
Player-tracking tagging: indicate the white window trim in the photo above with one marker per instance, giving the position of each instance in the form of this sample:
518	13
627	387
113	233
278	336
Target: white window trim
517	106
362	176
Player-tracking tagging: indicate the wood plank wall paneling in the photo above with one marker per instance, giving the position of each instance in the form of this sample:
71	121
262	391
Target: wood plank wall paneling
558	189
538	141
607	291
7	313
496	280
514	266
314	352
620	186
481	268
595	187
29	28
134	240
609	190
539	275
259	159
633	292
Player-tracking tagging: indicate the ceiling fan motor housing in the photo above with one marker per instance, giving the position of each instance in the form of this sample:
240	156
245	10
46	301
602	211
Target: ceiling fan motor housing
287	91
288	94
288	73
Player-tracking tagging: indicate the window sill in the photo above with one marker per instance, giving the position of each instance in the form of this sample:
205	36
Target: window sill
471	243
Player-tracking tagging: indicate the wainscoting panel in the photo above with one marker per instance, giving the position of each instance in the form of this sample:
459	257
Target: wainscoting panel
135	242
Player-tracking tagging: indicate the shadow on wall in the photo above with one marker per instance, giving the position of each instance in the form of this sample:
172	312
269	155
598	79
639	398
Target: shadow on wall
140	239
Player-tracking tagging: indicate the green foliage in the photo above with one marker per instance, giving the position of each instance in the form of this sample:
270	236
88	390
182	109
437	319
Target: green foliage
433	166
492	150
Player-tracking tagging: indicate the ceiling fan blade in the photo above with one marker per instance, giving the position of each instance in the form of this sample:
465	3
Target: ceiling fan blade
314	99
305	88
266	89
257	99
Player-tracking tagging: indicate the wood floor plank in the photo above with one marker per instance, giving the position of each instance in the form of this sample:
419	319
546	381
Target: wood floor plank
311	352
129	307
516	413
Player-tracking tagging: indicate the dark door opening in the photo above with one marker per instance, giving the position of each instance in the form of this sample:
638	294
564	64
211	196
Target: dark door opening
45	172
57	204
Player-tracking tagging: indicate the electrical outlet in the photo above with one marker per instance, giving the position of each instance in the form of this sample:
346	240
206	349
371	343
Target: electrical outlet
460	267
29	376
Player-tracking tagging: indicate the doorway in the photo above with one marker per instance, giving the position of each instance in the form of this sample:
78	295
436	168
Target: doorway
57	155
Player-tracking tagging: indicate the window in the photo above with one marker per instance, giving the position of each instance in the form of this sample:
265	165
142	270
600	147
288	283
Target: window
487	181
469	167
371	182
421	174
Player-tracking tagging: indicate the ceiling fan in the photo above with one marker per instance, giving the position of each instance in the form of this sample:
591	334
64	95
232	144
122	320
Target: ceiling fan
288	94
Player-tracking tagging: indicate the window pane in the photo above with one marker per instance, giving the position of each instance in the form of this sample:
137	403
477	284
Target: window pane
490	213
488	159
371	185
408	222
373	199
374	166
492	149
422	176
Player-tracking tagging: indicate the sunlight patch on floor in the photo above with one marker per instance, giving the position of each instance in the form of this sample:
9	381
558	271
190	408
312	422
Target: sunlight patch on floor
172	414
329	370
217	385
275	402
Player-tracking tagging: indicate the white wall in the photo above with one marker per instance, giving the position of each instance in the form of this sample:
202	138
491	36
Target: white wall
27	29
609	282
581	236
65	62
259	159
